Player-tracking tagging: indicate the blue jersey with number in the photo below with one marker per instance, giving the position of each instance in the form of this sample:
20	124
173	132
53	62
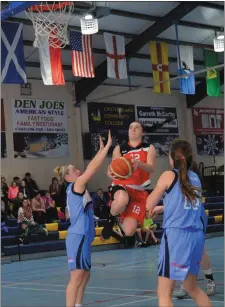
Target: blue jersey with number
178	211
81	213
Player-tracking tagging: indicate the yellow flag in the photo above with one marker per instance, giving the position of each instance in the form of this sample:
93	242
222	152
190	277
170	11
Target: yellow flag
160	66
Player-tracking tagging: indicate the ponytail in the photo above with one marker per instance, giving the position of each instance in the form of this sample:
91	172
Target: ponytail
181	153
190	191
61	171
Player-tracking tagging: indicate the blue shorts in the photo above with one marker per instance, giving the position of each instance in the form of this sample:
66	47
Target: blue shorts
78	248
180	253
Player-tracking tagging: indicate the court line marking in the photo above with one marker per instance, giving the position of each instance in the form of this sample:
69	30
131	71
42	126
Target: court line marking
88	292
89	287
129	303
103	293
8	284
190	299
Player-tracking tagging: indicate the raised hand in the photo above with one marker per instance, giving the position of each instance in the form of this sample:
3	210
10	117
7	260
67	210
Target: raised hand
101	144
108	144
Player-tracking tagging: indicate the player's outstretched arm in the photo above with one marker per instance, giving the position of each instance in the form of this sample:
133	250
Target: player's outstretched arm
93	166
162	185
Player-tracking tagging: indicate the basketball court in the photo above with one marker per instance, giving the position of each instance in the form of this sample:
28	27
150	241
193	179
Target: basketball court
125	277
119	278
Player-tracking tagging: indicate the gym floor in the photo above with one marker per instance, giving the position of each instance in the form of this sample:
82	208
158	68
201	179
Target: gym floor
119	278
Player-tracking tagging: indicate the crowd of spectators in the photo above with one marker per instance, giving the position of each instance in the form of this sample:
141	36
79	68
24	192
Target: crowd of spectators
32	207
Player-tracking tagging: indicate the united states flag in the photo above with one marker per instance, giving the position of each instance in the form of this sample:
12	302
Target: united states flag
82	55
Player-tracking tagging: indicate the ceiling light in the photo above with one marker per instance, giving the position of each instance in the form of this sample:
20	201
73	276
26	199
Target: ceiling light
219	43
221	36
88	16
89	25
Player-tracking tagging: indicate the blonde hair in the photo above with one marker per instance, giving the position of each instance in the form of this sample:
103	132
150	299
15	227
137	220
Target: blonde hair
61	171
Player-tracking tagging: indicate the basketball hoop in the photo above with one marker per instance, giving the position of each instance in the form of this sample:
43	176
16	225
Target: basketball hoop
51	19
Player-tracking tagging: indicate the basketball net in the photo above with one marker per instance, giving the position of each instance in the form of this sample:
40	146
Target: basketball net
51	20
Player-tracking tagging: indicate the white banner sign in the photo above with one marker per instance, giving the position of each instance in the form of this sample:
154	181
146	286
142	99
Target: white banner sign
39	116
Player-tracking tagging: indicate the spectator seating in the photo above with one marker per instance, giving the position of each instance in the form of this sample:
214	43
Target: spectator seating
57	232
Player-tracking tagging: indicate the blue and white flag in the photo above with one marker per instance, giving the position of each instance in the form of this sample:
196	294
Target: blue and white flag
186	66
12	54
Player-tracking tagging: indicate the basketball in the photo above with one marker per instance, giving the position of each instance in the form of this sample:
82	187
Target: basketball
121	168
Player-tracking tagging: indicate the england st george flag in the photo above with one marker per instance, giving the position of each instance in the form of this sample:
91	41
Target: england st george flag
12	53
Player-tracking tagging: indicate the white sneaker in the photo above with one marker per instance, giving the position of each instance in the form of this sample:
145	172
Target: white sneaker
210	287
182	294
137	244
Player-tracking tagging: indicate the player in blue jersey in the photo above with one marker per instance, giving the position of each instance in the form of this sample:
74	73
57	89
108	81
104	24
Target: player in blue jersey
183	239
205	263
81	232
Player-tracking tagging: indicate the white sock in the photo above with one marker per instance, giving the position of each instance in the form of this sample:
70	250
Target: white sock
207	272
78	305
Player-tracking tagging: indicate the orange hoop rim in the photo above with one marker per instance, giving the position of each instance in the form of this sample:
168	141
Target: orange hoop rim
49	7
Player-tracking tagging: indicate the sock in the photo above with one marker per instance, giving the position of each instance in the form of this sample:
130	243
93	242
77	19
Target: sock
78	305
208	274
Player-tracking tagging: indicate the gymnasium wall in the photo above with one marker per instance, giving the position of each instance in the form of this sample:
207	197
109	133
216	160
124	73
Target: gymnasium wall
42	169
147	97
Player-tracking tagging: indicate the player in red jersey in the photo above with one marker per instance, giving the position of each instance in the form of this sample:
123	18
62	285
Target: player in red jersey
128	196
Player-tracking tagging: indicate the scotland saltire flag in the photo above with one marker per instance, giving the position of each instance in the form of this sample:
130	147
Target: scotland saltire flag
12	54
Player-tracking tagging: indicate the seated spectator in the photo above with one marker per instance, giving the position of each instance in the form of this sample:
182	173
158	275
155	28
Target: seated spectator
38	209
148	228
27	223
4	186
31	185
67	215
51	211
17	180
4	195
63	197
23	189
100	205
55	191
13	192
3	211
17	204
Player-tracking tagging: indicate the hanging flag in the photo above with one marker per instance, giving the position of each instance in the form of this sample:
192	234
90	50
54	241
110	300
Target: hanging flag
160	66
82	55
186	61
116	58
51	63
12	53
212	76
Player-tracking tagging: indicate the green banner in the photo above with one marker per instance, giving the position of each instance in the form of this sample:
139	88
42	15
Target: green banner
212	76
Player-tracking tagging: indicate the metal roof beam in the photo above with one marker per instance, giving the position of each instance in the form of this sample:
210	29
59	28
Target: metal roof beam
27	22
84	6
131	73
212	5
85	86
29	43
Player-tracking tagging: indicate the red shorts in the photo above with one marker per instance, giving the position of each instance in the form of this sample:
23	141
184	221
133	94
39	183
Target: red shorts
137	203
